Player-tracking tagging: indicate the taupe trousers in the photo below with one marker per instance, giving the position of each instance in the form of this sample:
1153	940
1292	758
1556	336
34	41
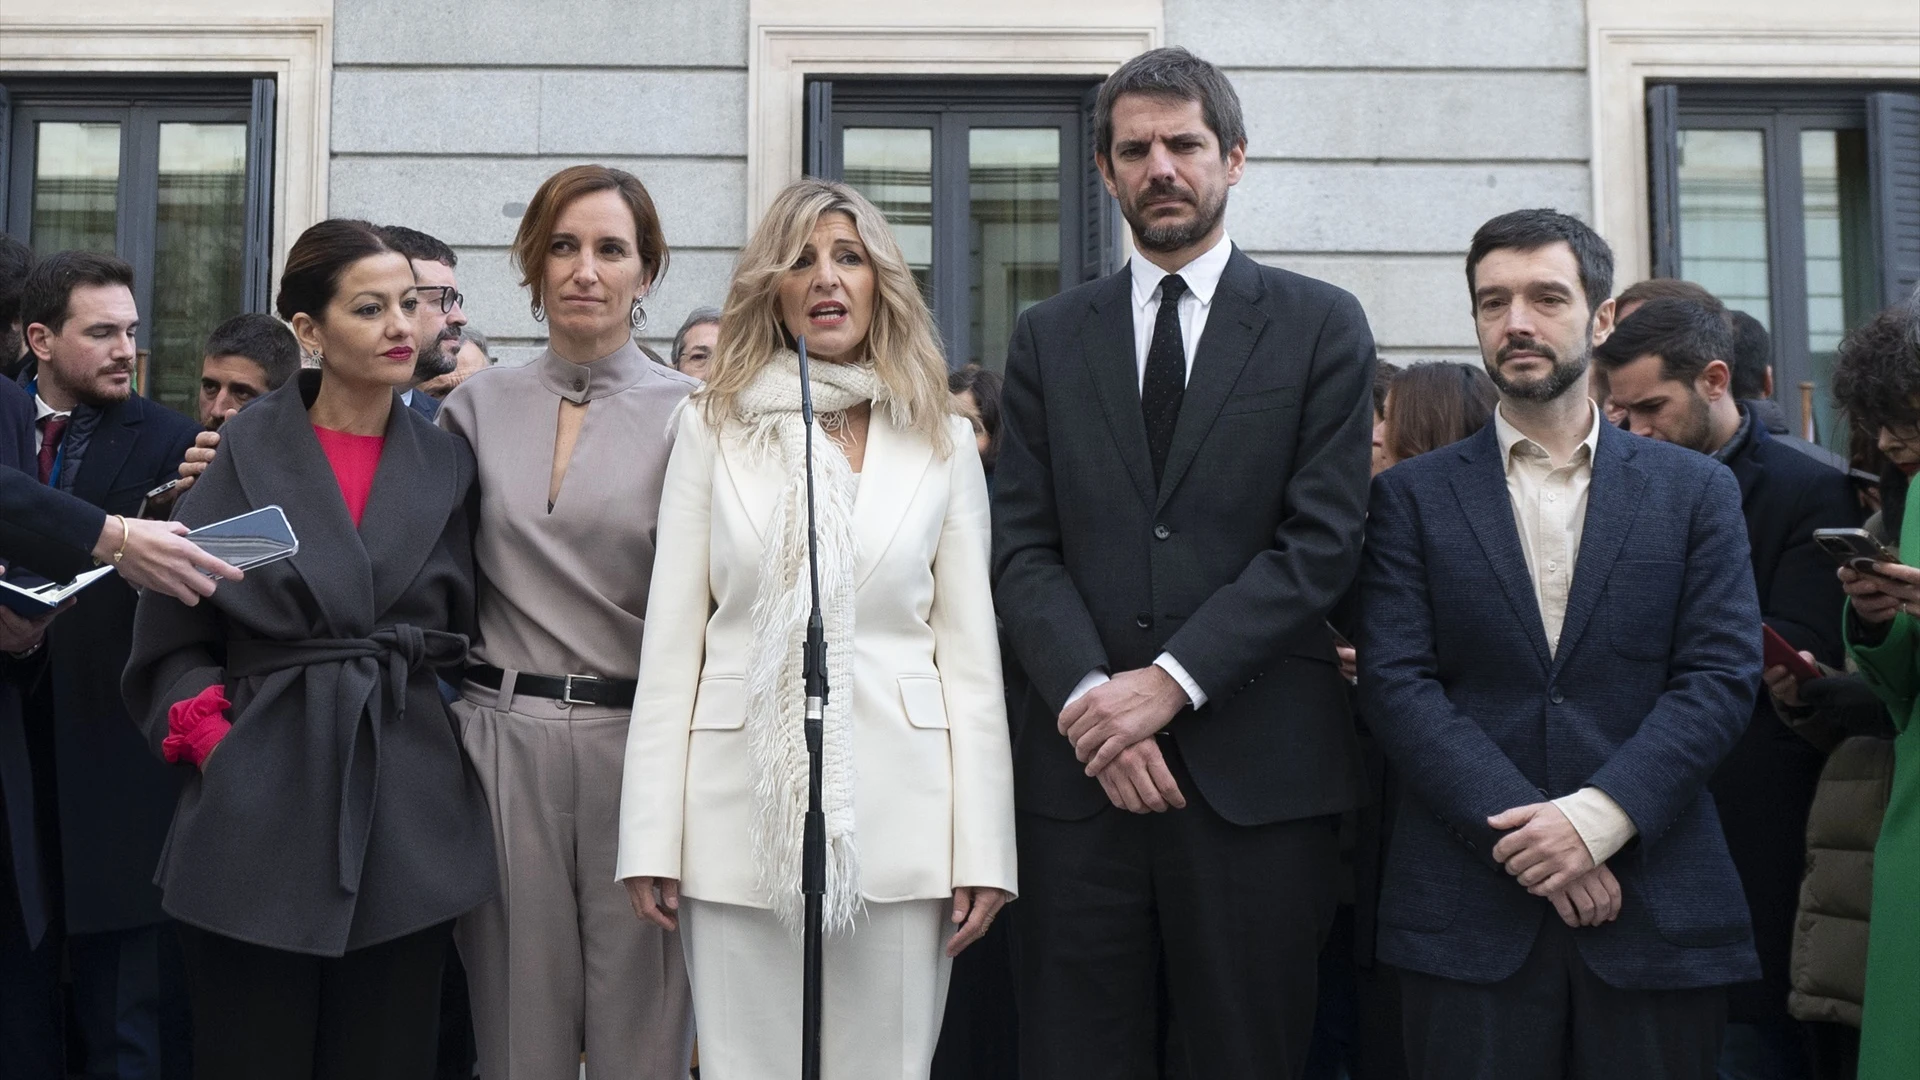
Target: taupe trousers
576	957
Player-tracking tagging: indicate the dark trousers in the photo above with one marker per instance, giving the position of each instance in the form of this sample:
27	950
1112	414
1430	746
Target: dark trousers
130	1001
1130	925
267	1014
31	1046
1554	1019
1356	1030
979	1034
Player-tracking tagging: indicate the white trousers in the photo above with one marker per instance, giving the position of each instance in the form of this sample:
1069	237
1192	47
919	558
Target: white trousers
885	989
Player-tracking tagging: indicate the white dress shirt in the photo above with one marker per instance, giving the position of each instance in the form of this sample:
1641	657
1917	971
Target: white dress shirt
1202	275
41	412
1550	511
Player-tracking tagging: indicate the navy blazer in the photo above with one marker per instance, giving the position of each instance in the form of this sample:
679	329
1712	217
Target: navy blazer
47	531
1652	683
116	800
17	779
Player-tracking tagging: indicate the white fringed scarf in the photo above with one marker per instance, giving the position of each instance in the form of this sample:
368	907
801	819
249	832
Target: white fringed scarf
775	691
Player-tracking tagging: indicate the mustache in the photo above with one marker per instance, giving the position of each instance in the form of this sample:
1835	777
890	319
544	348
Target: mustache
1525	344
1164	189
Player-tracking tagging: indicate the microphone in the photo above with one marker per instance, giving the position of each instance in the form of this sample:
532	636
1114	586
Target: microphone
813	666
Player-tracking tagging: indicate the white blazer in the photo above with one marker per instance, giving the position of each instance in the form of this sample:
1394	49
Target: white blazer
933	768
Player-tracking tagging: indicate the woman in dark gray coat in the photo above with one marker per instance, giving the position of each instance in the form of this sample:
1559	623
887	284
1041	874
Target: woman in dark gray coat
316	867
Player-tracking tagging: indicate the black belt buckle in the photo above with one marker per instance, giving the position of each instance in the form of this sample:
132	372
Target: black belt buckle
567	688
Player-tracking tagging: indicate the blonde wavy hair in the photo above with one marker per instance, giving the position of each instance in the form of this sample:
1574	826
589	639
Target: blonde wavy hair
901	341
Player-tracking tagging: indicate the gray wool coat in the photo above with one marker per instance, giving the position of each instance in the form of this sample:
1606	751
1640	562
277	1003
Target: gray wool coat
339	812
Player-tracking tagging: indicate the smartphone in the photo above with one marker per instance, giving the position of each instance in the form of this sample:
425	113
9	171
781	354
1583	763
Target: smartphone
1781	653
249	540
1855	548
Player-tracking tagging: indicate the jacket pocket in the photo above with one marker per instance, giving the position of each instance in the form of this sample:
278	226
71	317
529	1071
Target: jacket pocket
1261	400
926	707
720	704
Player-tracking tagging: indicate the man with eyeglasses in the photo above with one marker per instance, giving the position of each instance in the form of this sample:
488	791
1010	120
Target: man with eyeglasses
439	316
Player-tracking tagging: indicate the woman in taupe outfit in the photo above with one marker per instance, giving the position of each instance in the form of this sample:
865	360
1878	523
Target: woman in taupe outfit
564	556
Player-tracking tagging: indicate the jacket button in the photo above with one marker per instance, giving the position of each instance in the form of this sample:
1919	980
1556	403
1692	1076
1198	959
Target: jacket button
1142	621
1161	532
1554	695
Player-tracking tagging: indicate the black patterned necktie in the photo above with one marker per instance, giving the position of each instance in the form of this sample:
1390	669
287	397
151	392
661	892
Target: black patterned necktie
1166	379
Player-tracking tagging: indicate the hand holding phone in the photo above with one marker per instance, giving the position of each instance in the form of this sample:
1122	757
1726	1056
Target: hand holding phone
1781	653
1856	549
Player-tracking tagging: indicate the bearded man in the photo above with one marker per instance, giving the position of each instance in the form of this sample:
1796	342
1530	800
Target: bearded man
1178	507
99	441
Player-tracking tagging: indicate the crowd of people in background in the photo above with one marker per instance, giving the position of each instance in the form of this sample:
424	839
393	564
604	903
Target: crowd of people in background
1462	763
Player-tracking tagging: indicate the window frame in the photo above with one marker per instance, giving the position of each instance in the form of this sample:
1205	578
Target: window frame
140	105
951	109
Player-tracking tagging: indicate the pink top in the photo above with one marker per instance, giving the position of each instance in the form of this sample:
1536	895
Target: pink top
354	459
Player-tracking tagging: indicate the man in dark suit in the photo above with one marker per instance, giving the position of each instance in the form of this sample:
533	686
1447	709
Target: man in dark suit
103	444
1559	644
30	1038
438	319
1178	506
1670	366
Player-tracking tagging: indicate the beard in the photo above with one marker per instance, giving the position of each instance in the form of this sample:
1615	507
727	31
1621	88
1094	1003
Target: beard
1173	236
437	359
1698	432
92	393
1565	374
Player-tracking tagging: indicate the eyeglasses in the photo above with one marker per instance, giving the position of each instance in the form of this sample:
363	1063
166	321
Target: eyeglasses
449	299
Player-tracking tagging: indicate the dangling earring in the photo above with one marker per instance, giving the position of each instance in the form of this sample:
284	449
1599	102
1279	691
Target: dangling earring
539	313
638	316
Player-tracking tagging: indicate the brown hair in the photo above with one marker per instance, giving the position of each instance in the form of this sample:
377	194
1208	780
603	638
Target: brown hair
318	259
1436	404
1666	288
556	194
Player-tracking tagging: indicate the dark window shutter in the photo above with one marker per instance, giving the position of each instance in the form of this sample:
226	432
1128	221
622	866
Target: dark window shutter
1893	156
1100	228
821	159
257	262
1663	177
6	149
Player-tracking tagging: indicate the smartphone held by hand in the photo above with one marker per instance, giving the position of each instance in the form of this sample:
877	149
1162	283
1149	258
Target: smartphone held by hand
1781	653
1856	549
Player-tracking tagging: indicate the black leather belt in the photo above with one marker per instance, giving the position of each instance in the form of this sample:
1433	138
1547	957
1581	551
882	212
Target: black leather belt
572	689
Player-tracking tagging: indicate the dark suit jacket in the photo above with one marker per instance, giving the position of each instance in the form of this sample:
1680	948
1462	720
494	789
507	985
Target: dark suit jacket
424	404
1766	785
115	800
1231	565
339	812
44	530
17	776
1652	683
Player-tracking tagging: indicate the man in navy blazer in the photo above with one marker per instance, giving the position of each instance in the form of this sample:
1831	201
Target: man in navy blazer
1560	642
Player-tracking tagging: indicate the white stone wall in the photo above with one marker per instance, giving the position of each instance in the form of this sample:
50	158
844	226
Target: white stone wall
447	115
1381	133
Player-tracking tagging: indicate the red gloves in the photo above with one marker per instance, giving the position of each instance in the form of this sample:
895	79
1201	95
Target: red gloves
195	726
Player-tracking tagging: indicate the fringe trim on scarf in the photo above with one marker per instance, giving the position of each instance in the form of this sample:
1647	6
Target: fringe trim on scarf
775	690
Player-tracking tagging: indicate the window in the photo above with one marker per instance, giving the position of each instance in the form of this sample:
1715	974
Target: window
989	187
172	176
1797	205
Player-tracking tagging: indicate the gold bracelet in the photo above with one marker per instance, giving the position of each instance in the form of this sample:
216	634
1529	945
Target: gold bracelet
126	532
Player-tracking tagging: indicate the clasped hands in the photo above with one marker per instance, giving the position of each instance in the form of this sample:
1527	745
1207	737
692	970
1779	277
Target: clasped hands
1112	726
1546	855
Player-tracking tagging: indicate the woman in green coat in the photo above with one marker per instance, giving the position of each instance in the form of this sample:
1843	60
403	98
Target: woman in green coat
1882	386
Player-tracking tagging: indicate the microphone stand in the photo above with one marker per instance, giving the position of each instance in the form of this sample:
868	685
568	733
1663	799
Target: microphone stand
813	871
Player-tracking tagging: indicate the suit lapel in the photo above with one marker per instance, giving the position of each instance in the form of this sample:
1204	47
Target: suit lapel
289	468
890	476
1106	346
1612	499
107	451
1234	323
756	480
414	490
1481	488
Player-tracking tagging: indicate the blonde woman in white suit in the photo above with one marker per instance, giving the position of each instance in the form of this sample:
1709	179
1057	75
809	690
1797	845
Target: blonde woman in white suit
918	776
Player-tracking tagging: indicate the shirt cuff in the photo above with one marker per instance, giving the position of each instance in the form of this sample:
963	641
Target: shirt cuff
1599	820
1165	662
1093	678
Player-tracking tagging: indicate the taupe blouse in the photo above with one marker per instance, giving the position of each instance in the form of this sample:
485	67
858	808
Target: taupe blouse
564	592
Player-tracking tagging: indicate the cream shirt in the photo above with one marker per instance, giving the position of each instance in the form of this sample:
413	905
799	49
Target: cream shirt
1550	510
